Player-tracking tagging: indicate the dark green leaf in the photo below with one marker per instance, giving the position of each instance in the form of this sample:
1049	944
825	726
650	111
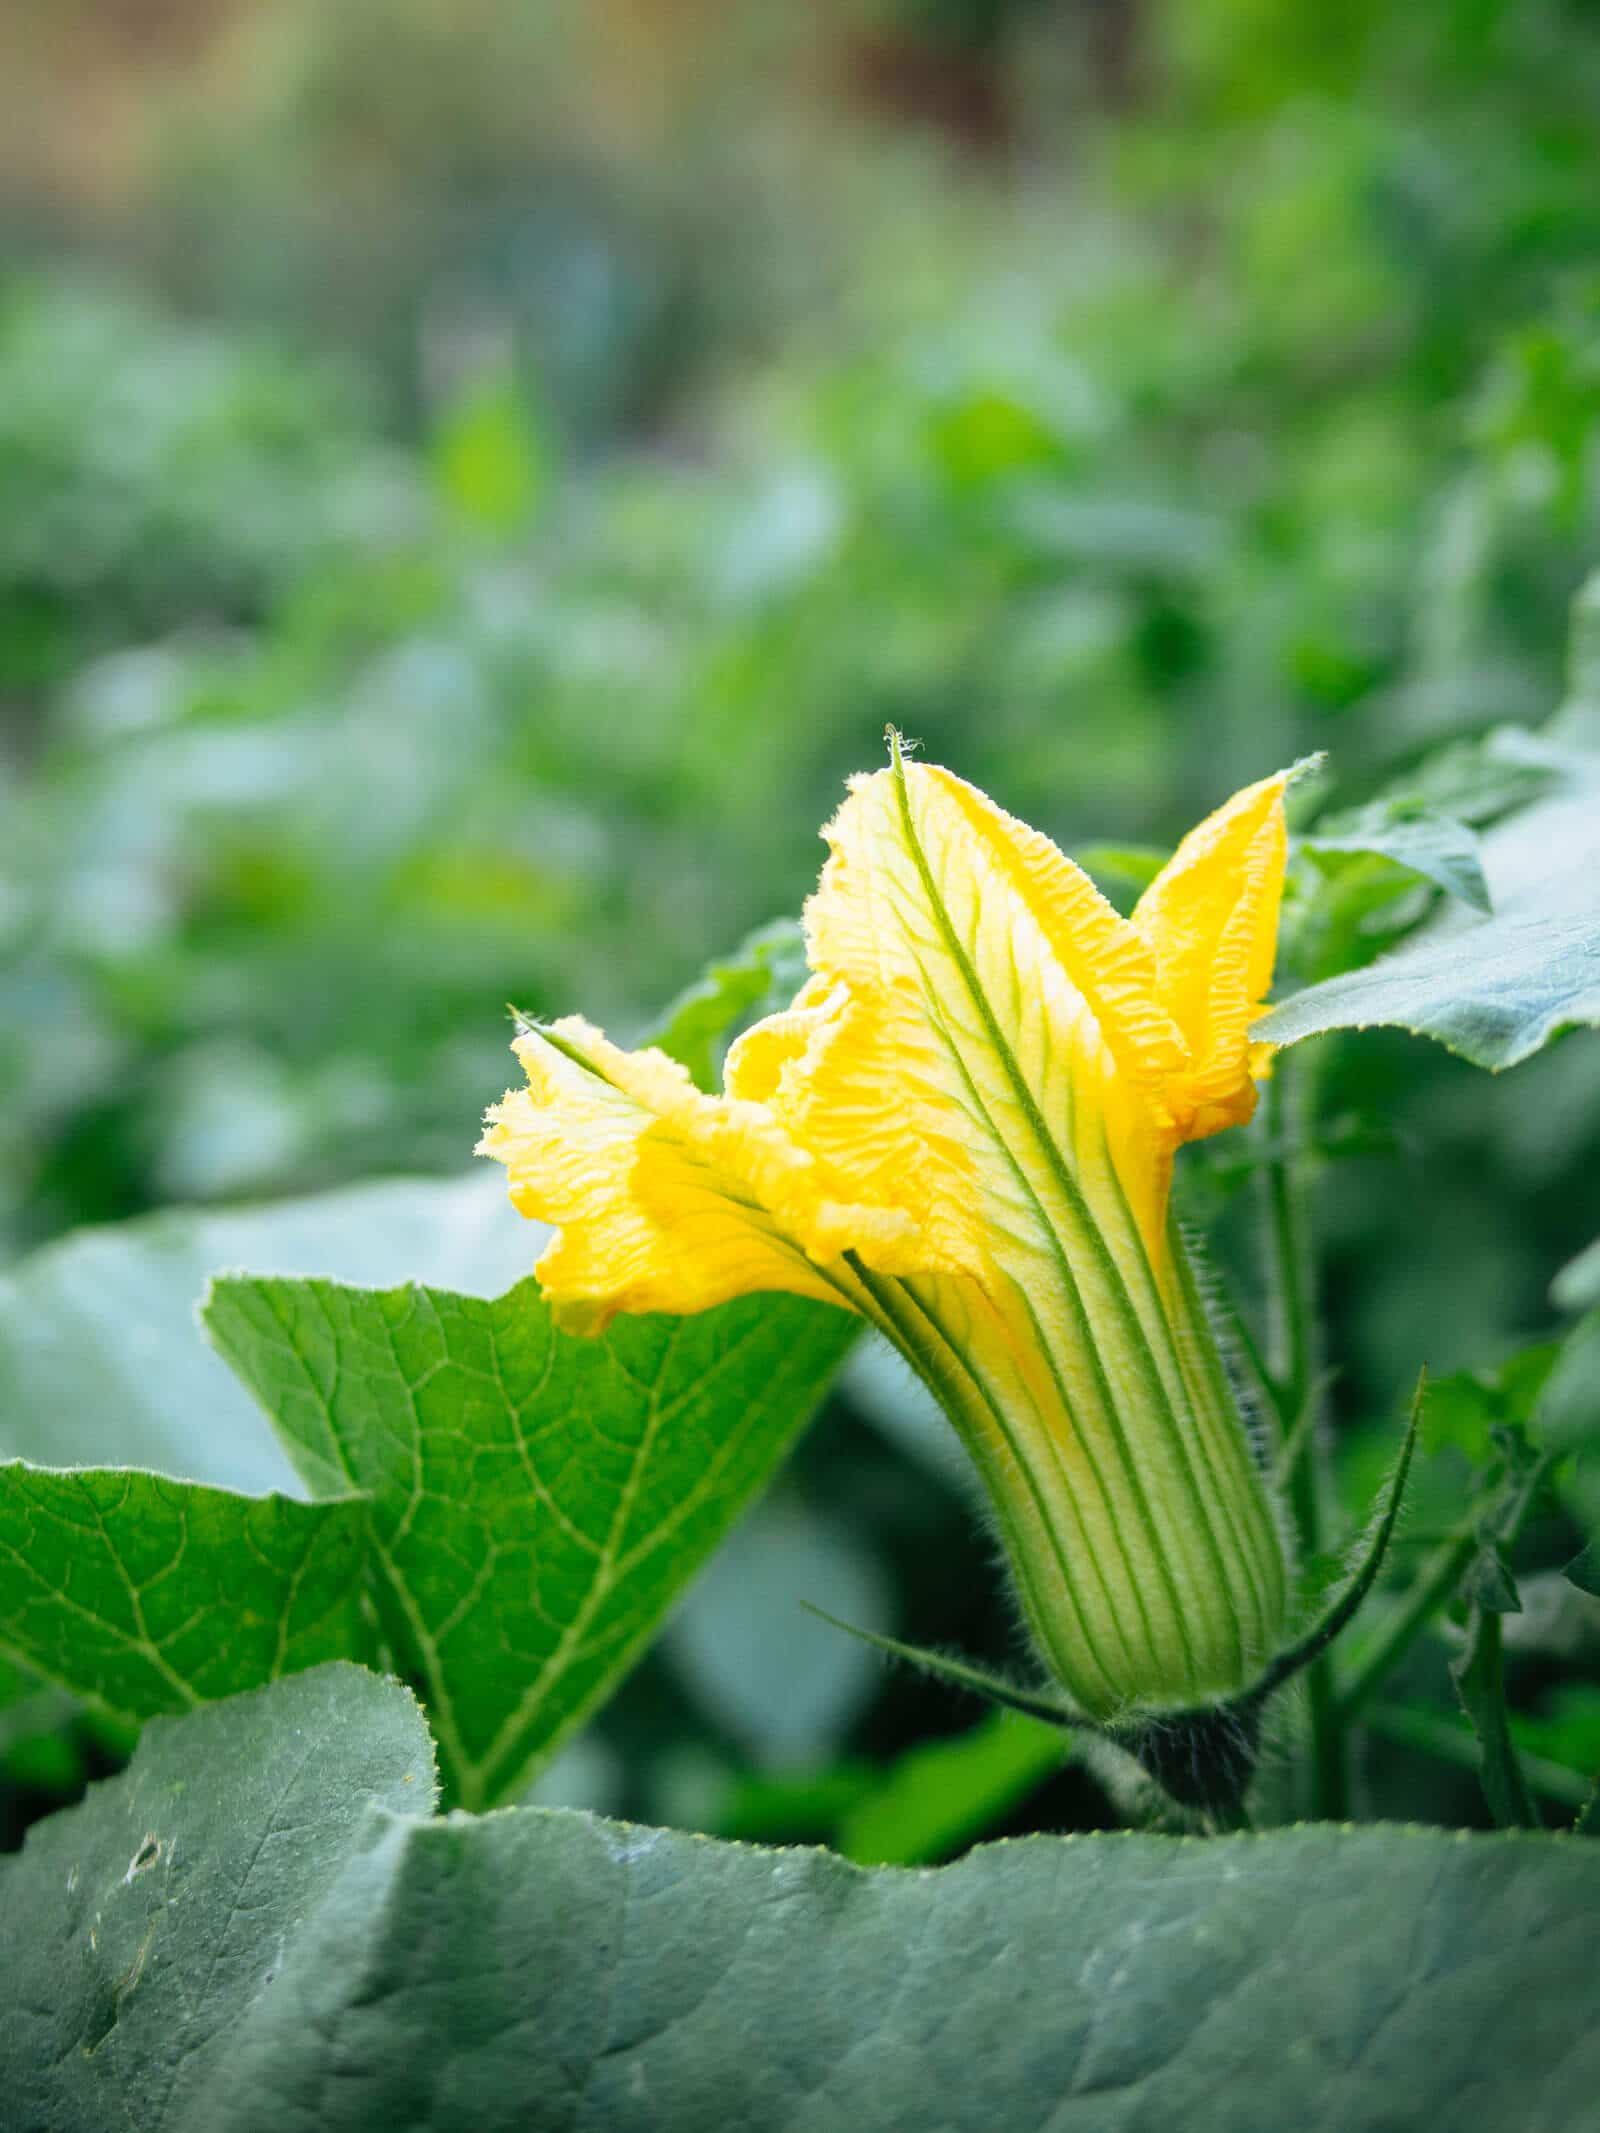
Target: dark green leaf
1584	1570
101	1363
1489	1583
136	1929
246	1933
143	1595
537	1501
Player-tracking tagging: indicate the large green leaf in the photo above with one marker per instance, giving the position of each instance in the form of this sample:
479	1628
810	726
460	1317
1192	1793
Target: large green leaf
209	1945
1493	989
100	1360
537	1501
143	1595
136	1929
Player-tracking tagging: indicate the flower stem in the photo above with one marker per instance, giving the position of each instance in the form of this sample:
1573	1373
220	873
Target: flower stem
1292	1355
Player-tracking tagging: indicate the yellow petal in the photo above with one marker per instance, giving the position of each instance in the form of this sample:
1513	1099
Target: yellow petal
666	1199
1210	918
644	1221
1013	1012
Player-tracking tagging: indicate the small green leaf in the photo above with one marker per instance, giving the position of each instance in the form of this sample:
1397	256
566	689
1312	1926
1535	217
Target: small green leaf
101	1363
1479	1676
1489	1583
1584	1570
143	1595
537	1501
1495	990
943	1794
1435	846
763	974
1469	1408
136	1928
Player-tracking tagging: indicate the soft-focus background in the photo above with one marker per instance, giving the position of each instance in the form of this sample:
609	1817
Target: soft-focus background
474	478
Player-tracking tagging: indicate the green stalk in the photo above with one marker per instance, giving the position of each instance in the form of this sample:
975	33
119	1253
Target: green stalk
1292	1356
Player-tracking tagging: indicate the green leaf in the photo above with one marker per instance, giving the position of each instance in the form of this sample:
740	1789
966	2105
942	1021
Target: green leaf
943	1794
1467	1408
1479	1676
1489	1583
763	974
1435	846
1493	989
137	1928
37	1749
143	1595
297	1951
1477	781
537	1501
1577	1286
101	1363
1584	1570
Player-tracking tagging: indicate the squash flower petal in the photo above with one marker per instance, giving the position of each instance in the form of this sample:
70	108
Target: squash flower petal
964	1130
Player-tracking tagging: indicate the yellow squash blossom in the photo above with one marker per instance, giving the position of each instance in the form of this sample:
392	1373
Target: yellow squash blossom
963	1130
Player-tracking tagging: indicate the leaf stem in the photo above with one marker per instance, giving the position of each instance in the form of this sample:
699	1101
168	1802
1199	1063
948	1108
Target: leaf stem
1292	1354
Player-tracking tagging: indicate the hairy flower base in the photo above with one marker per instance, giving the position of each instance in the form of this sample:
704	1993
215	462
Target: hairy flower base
964	1130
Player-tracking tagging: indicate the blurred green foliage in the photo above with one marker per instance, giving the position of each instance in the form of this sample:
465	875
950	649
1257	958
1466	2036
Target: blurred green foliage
480	594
